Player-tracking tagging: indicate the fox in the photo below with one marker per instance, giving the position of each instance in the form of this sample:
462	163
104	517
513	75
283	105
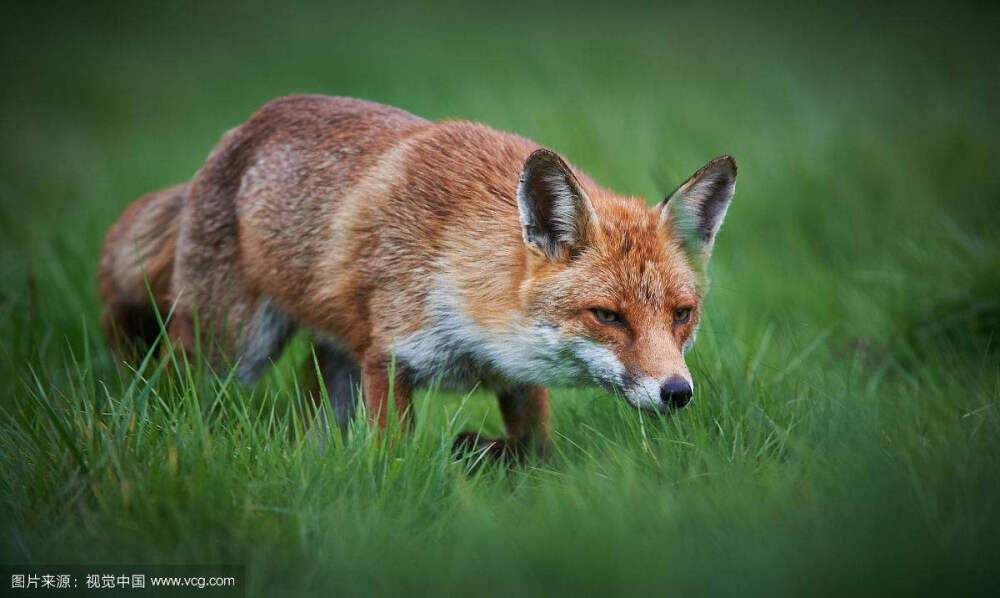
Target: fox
416	253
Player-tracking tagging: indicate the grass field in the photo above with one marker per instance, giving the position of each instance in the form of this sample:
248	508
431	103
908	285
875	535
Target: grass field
845	437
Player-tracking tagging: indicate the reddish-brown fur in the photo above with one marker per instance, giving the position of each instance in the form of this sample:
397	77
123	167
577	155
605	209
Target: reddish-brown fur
345	215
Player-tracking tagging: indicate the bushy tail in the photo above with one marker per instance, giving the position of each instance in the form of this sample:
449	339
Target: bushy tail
138	259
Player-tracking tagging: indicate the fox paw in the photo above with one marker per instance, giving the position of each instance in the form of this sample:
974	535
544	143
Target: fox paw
481	448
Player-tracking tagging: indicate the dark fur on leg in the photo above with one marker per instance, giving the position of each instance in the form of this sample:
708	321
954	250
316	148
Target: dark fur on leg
478	450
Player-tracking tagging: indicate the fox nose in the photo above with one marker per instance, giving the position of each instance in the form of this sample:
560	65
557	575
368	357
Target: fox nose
676	392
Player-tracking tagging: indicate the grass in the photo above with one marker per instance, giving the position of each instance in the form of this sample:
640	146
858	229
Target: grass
844	435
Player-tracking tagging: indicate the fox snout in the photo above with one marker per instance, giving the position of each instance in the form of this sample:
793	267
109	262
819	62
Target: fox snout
663	395
675	393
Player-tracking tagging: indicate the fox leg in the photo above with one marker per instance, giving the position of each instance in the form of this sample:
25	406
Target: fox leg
526	416
525	411
246	331
375	386
235	321
341	377
181	334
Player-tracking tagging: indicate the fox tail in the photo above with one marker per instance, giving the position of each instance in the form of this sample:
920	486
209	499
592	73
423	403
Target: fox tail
136	267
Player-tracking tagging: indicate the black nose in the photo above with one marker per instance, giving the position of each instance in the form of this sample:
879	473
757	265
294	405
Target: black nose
675	392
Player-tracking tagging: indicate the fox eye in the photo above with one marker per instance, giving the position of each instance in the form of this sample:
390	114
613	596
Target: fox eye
682	315
606	316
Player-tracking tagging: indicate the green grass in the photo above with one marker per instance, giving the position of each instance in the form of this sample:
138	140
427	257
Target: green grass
844	437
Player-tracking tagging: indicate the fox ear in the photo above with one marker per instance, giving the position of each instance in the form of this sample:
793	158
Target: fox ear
694	212
556	215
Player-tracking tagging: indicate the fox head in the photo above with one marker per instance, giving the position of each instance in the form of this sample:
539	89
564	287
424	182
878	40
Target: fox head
621	284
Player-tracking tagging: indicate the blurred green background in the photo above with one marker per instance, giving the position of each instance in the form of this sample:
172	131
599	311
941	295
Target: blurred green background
845	433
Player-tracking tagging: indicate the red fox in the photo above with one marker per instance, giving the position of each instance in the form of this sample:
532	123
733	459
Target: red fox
446	253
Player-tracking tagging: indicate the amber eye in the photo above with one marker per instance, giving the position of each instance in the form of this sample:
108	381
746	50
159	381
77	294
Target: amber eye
608	317
682	315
